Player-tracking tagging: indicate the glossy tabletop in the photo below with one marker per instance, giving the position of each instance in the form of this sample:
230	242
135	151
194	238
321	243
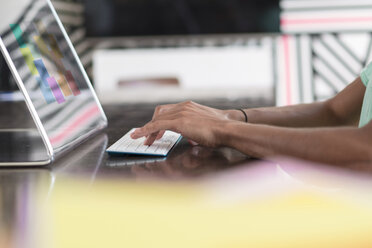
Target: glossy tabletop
196	197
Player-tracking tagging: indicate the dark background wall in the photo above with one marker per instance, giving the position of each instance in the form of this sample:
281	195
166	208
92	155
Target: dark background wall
179	17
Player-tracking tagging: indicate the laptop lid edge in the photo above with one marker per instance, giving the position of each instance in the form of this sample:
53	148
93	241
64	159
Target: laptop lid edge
28	101
81	67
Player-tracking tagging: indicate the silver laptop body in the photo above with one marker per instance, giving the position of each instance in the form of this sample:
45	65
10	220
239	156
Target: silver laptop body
52	81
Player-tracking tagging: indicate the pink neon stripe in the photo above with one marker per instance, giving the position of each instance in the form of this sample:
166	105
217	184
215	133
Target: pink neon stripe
287	69
286	22
79	121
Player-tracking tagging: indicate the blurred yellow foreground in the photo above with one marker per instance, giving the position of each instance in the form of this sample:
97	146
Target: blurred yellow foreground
311	210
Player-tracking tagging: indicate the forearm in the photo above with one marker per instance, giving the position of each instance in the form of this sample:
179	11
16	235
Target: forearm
333	146
303	115
342	110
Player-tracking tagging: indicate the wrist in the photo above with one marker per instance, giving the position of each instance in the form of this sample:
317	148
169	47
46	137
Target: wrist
235	115
224	131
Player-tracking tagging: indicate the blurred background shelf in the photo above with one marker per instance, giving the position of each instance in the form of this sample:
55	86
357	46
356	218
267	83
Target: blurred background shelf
285	51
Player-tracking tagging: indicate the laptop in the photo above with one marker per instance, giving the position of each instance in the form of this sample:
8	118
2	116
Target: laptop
53	83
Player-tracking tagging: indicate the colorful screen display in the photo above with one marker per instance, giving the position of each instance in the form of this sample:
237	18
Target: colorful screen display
50	72
55	85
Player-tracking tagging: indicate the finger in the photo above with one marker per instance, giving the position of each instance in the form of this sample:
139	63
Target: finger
132	135
166	110
154	127
160	135
173	111
150	139
138	133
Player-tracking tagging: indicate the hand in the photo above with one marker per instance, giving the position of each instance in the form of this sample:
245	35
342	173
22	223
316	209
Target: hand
196	122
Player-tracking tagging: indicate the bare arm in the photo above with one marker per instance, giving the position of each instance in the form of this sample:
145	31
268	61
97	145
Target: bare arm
335	145
343	109
340	145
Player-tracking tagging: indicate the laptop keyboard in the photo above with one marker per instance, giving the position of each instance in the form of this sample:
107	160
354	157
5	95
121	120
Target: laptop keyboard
127	145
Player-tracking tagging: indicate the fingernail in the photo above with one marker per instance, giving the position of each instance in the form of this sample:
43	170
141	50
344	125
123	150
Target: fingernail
135	135
137	132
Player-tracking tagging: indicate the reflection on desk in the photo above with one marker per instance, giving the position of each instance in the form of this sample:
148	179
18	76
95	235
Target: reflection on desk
183	162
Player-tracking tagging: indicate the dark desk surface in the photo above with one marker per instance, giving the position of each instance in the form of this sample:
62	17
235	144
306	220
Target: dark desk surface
87	208
183	162
90	157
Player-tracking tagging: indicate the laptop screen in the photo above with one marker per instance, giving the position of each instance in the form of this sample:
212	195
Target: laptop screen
52	76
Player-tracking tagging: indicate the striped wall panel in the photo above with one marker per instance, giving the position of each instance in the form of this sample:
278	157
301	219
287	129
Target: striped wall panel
318	66
324	47
314	16
294	70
